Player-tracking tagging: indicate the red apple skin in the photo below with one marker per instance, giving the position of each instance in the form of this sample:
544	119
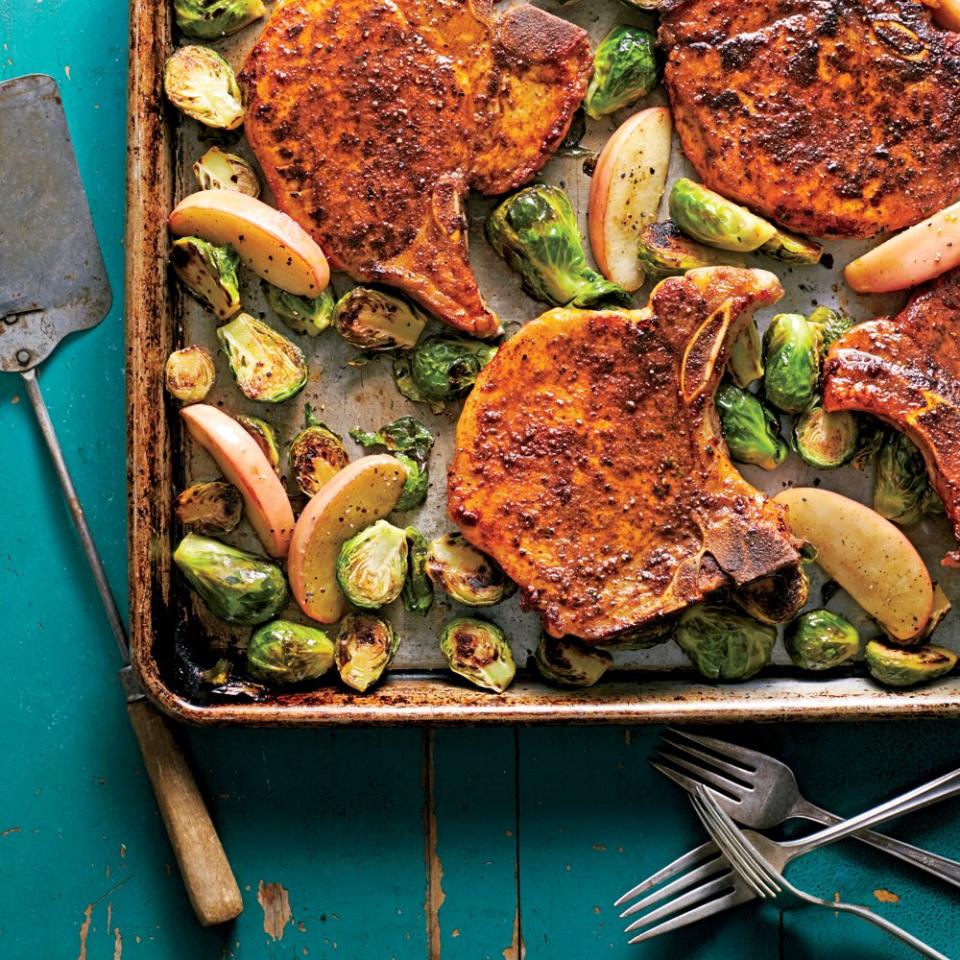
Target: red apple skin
245	465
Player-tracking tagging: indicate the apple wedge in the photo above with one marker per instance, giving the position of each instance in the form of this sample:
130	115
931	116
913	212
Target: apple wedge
272	244
867	555
946	13
246	466
625	193
360	494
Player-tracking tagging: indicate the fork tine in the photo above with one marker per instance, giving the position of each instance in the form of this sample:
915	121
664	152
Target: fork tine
732	751
678	778
734	898
705	850
701	894
730	787
716	864
736	772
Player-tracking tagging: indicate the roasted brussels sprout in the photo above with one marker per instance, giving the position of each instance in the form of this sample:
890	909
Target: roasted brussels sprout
210	19
267	366
467	575
751	430
664	249
646	636
901	490
308	316
365	646
209	272
792	350
833	324
478	651
902	667
444	367
316	454
417	592
284	652
871	434
201	84
777	598
624	70
219	170
714	220
213	506
791	248
536	232
237	586
410	442
372	565
746	357
569	662
373	320
820	640
265	435
722	642
189	374
825	440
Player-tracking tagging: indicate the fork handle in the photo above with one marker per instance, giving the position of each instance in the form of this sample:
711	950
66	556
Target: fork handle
891	928
943	868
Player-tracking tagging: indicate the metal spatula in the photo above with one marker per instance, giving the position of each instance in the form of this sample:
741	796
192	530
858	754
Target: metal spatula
52	283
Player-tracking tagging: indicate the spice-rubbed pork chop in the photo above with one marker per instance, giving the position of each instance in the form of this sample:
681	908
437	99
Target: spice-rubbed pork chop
372	118
906	370
589	461
833	117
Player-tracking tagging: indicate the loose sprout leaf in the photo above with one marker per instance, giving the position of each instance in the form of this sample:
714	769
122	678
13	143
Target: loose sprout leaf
417	588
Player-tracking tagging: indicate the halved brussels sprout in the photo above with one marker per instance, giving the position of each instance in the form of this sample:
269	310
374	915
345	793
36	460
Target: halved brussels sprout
751	430
664	249
624	70
722	642
219	170
209	272
415	486
410	442
284	652
417	588
213	506
478	651
211	19
189	374
792	349
746	357
308	316
264	434
871	434
372	565
374	320
267	366
365	646
821	640
777	598
825	440
237	586
900	667
901	490
792	248
646	636
201	84
833	324
569	662
444	367
316	454
714	220
536	232
467	575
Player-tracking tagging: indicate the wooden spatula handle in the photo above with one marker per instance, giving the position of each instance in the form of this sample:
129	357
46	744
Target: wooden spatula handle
206	872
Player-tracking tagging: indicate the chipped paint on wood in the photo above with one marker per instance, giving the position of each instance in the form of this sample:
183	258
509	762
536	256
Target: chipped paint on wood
85	931
434	868
9	831
886	896
117	944
517	949
276	908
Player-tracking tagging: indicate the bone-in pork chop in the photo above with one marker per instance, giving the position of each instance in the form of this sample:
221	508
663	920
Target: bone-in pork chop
906	370
833	117
372	118
589	461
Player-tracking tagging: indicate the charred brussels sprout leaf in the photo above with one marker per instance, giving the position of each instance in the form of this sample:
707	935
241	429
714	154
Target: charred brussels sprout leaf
218	674
209	272
210	19
373	320
219	170
777	598
825	440
410	442
722	642
445	367
901	490
284	652
265	435
536	232
792	349
201	84
664	249
237	586
870	437
316	454
624	70
267	366
365	646
820	640
189	374
900	667
467	575
646	636
792	248
714	220
417	589
213	506
569	662
372	565
833	324
415	486
751	430
478	651
746	357
308	316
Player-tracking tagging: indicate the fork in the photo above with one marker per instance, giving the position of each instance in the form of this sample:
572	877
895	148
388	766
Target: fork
705	884
759	791
744	853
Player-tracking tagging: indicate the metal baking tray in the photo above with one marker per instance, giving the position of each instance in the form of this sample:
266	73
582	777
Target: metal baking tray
171	631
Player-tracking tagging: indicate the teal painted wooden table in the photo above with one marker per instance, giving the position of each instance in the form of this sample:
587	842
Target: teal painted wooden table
361	844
